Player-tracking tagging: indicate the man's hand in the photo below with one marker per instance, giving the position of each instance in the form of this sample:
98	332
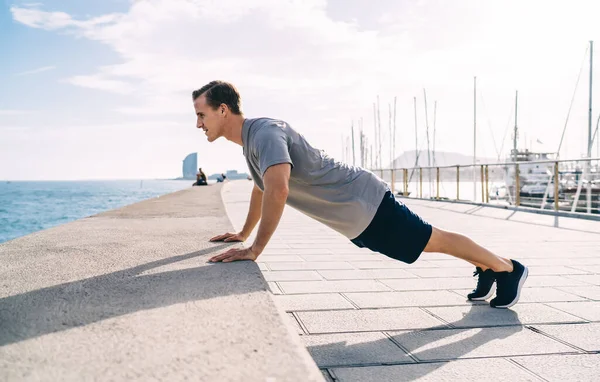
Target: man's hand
229	237
235	255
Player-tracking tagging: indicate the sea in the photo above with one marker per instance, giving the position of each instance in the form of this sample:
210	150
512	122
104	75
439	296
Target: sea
27	207
31	206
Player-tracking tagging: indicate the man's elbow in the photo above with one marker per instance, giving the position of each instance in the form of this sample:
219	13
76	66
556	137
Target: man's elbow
280	192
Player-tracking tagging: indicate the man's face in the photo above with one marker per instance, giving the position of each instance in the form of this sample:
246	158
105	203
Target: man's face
209	120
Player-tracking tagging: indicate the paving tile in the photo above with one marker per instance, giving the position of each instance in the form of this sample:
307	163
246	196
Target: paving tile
354	250
366	274
337	257
291	275
590	279
561	261
588	268
405	299
552	281
434	256
320	246
299	252
367	320
463	370
559	368
588	310
528	295
484	315
589	261
387	263
591	292
278	258
326	376
263	266
430	284
274	288
309	266
584	336
294	323
442	272
449	344
297	287
325	301
452	264
535	270
329	350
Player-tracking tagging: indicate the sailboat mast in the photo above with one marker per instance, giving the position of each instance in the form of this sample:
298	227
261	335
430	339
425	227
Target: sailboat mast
589	152
416	135
353	154
516	129
474	138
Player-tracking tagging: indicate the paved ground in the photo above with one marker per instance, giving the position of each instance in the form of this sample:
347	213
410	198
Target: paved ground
364	317
128	295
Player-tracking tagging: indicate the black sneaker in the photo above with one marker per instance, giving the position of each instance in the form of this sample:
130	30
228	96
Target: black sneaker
509	286
485	283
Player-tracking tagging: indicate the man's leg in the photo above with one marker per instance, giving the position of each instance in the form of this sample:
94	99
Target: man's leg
509	275
460	246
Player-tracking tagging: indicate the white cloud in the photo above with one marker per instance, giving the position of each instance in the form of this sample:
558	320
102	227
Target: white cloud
295	60
34	17
14	112
101	83
35	71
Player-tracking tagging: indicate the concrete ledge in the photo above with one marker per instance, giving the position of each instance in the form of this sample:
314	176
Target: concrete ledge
128	295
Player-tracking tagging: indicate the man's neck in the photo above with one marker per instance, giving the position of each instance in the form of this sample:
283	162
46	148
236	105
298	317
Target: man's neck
233	131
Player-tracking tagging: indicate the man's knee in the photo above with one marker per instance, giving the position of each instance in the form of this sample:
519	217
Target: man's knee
438	242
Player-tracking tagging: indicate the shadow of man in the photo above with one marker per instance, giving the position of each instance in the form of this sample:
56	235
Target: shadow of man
462	338
79	303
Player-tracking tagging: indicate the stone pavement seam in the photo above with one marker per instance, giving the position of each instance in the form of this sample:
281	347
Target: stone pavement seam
577	348
572	314
408	352
350	301
515	363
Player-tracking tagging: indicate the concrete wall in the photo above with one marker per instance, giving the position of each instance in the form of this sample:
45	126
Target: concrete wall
129	295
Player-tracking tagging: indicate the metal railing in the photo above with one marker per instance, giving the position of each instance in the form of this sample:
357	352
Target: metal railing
524	183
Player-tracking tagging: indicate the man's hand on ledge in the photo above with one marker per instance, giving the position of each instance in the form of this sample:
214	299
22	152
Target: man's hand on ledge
236	255
229	237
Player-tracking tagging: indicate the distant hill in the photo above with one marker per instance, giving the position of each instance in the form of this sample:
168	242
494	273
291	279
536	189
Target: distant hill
442	158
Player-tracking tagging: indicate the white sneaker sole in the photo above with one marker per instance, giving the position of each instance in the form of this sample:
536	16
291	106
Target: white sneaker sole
490	294
521	282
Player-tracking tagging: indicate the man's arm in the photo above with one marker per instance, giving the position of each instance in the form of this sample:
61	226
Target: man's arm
276	181
254	212
252	219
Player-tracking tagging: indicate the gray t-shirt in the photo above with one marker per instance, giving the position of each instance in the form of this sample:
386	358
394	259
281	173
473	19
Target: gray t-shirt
338	195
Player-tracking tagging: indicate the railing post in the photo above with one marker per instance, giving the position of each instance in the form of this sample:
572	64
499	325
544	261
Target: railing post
482	186
457	182
421	182
517	186
556	182
406	182
437	193
393	181
487	186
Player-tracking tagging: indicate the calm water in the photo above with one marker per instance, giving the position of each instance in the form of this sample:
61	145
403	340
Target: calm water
27	207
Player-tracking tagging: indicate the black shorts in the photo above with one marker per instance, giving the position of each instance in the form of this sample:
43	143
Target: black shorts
395	231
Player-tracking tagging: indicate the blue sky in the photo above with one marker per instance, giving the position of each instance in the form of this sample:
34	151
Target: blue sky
101	89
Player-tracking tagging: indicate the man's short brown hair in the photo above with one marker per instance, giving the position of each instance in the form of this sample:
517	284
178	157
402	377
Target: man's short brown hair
220	92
